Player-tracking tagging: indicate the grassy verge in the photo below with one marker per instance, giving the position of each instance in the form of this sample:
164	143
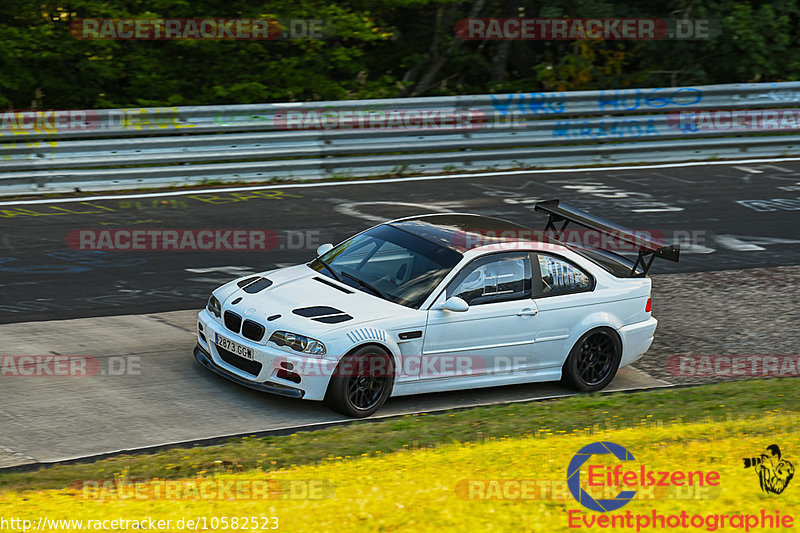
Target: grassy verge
448	487
743	400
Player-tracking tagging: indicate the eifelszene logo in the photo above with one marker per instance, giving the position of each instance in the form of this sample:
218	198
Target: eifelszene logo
574	477
598	472
603	480
774	472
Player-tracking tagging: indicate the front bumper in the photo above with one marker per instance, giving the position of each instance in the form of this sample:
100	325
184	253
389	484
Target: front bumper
309	376
204	358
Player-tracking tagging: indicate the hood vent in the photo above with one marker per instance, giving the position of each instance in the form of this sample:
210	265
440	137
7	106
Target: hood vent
319	310
247	281
254	284
324	314
333	319
332	284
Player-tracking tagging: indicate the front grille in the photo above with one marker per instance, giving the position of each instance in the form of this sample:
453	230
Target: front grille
251	367
233	321
252	330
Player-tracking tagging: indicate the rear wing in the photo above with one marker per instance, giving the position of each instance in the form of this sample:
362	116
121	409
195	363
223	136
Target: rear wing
648	247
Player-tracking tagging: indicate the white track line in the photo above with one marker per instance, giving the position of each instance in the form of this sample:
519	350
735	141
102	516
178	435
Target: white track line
391	180
749	170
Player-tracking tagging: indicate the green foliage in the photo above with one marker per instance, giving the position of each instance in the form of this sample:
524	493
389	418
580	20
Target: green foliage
379	49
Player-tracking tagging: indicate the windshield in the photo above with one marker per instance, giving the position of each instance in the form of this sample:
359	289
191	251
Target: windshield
389	263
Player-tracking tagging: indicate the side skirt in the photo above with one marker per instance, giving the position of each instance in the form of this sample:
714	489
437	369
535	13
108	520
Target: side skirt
475	382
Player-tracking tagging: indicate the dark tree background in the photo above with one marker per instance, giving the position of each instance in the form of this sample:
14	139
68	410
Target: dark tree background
381	48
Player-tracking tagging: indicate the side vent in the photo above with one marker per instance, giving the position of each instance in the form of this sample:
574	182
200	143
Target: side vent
366	334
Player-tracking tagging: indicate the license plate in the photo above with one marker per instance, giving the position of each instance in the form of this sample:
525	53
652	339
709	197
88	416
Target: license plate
235	347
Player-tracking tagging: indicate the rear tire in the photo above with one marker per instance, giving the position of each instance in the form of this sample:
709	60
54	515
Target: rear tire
593	361
361	383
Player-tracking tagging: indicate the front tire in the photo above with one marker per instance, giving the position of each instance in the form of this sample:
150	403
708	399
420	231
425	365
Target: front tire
593	361
361	383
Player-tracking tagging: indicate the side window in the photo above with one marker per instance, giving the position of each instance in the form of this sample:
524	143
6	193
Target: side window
557	276
494	278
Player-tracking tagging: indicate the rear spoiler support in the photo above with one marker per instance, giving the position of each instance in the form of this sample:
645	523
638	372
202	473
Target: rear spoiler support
648	248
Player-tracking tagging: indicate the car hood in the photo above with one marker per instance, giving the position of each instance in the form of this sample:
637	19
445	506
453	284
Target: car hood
305	304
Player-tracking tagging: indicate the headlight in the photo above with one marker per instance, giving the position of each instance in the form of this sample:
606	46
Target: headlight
298	343
214	306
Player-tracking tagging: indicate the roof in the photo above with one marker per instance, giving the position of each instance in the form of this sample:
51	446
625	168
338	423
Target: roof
462	232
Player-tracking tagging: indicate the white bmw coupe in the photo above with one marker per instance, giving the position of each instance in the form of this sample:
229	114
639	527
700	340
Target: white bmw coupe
438	303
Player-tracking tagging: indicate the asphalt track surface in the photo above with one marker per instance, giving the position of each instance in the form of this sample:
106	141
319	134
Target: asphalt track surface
143	388
736	216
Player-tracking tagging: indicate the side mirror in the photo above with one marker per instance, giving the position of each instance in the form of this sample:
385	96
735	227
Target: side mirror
324	248
455	304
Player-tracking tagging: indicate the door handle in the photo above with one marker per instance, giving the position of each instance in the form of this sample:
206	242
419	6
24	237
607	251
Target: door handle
527	312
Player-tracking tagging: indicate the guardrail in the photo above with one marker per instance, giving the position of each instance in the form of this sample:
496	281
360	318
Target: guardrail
51	151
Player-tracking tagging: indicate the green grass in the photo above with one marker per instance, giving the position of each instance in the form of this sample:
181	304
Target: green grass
725	401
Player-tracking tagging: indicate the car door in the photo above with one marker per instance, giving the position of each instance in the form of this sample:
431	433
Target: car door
561	292
496	334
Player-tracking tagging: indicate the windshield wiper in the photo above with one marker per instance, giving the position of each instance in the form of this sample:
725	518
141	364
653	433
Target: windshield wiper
366	285
332	271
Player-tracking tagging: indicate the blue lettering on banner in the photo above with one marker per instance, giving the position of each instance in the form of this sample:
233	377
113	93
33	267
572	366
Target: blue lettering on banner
633	99
620	129
536	103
